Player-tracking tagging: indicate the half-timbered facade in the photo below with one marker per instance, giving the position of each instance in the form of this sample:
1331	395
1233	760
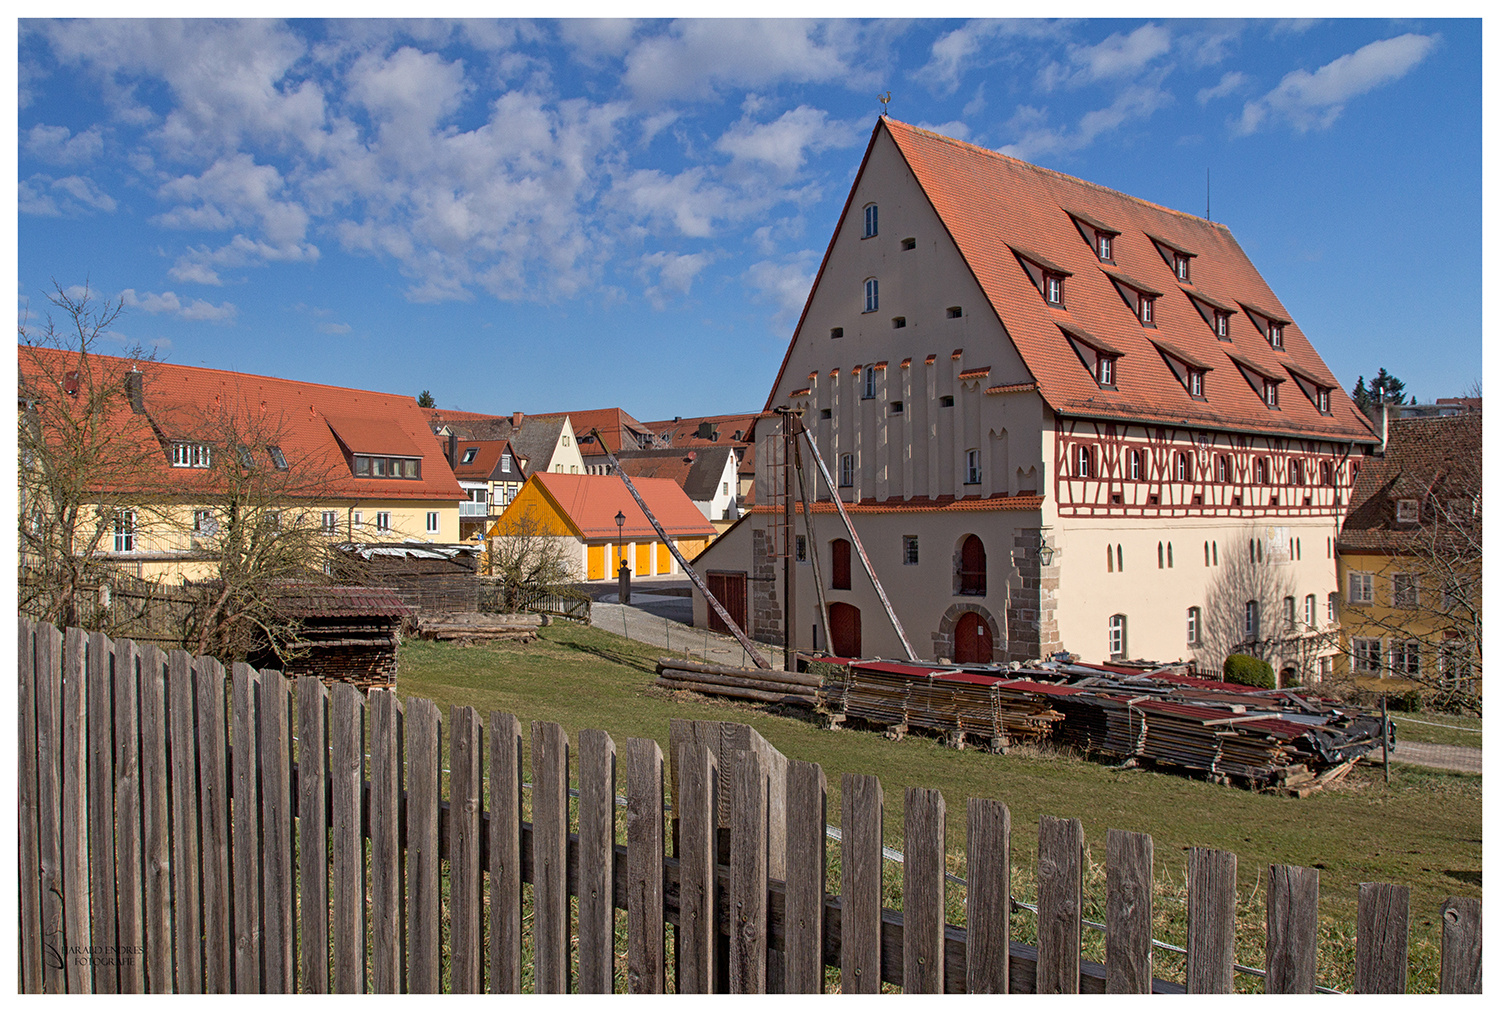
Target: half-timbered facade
1064	419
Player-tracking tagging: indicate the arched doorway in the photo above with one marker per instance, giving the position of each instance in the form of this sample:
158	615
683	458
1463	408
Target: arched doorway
841	563
843	630
972	567
972	640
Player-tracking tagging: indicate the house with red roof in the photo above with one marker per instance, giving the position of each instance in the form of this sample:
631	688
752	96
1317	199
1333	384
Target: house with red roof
581	511
715	430
619	430
1055	412
490	473
706	474
544	442
360	465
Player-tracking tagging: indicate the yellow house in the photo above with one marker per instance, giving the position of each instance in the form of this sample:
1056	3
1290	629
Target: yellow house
1409	556
580	512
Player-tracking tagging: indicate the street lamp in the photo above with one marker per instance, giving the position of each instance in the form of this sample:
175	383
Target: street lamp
1044	553
624	573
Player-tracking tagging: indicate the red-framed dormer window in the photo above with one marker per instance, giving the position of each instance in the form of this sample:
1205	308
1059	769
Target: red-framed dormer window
1106	246
1195	382
1147	310
1052	286
1273	334
1104	370
1268	391
1180	266
1221	324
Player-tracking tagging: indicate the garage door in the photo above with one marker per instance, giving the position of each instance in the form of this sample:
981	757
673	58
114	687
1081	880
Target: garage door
729	589
598	563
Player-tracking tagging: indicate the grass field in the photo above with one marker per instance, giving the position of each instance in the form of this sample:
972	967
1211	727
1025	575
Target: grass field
1438	729
1423	830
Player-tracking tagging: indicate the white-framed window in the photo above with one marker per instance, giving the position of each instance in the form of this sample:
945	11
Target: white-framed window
566	441
1195	382
1081	461
1364	655
1106	246
387	467
1134	465
1268	389
1106	371
1183	469
510	493
204	522
1252	620
1147	309
469	454
846	470
1117	635
124	530
1407	511
1054	289
869	391
972	472
278	459
872	220
1333	609
191	455
908	549
1361	588
1273	334
1262	471
330	521
1180	266
506	460
1406	657
872	294
1194	625
382	521
1221	323
1403	590
1310	611
356	519
1323	404
432	521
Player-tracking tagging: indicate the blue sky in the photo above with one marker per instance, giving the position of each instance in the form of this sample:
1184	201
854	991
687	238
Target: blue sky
544	215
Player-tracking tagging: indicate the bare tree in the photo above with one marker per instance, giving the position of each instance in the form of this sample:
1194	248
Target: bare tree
87	473
528	559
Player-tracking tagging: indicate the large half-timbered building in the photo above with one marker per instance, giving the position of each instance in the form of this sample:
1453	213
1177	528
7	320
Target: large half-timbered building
1062	418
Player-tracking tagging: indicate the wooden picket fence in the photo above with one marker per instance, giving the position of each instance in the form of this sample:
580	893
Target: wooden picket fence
179	831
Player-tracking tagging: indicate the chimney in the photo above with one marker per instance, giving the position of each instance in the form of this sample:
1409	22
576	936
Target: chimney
452	449
517	418
1385	426
70	382
135	391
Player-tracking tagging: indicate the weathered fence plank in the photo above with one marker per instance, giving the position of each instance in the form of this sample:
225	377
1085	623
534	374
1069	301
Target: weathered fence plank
464	879
596	849
1462	963
312	833
30	892
549	815
505	853
156	823
697	856
101	812
245	757
806	875
385	841
988	898
188	925
1291	930
274	713
645	854
75	815
127	788
1381	927
213	813
922	874
747	876
423	771
1127	913
1059	900
1210	941
862	808
346	787
49	805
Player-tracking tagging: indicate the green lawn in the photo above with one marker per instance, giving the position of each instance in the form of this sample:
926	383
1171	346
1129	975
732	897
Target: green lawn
1423	830
1438	729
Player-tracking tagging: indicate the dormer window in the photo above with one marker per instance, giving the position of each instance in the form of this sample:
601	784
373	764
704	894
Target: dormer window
872	295
469	455
1273	334
1268	391
1195	382
1180	266
1104	370
1407	511
1147	310
191	455
1221	324
1053	287
872	220
1323	401
1105	245
505	462
409	468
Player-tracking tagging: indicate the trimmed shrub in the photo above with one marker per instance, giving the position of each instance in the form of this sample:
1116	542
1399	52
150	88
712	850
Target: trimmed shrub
1242	669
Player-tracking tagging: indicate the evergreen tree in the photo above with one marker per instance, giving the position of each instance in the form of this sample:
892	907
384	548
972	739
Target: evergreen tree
1383	389
424	400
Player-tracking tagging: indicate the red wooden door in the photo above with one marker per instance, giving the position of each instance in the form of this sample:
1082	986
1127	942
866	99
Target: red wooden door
841	553
729	588
843	631
972	642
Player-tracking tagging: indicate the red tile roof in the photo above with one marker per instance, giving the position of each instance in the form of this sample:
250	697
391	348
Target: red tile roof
923	504
989	202
191	402
590	502
486	463
1435	460
613	424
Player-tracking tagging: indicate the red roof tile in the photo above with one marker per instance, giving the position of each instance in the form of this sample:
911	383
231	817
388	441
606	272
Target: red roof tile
591	502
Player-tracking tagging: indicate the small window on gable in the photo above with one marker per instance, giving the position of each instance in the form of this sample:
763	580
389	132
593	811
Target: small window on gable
836	332
825	413
945	401
897	322
897	407
1195	382
872	220
872	295
1104	370
954	312
1053	288
1273	333
469	455
908	244
1221	324
1407	511
1180	266
1147	310
1105	245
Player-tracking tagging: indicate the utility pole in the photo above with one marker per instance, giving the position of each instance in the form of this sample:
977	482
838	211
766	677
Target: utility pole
788	560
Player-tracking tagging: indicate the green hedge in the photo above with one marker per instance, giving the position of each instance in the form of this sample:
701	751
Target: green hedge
1242	669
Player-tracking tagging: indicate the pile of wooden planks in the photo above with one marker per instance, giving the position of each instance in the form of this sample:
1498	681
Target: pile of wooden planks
762	685
466	628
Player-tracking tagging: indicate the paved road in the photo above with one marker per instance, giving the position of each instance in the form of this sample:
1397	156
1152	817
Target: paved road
658	620
1463	758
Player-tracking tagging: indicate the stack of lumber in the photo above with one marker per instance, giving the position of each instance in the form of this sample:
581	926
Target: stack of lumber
1261	750
479	627
879	693
1178	734
1026	708
1100	723
762	685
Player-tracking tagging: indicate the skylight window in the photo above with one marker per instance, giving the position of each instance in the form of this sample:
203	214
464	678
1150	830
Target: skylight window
278	459
469	455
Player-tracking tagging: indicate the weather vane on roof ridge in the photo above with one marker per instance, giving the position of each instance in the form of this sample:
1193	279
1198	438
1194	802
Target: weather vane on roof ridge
885	101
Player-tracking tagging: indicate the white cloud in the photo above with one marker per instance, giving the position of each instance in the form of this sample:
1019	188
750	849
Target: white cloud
591	38
1037	138
1119	56
971	45
1313	101
60	146
785	142
334	328
957	129
70	196
234	191
1230	83
674	273
784	283
199	264
188	309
